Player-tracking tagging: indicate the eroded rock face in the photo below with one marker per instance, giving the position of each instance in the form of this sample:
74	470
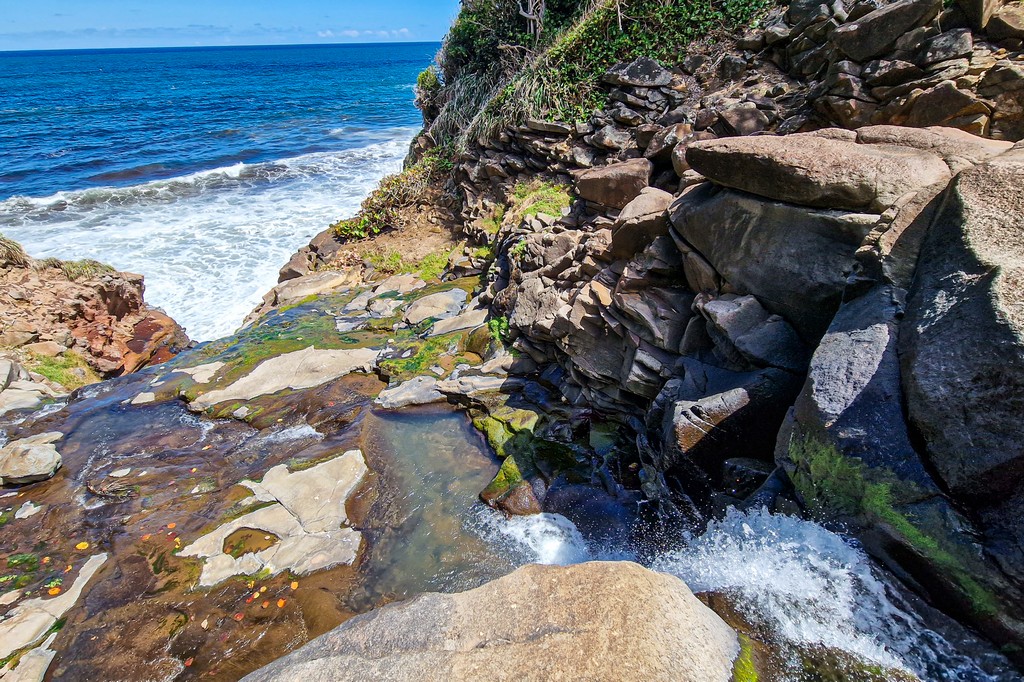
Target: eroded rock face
963	343
795	260
602	629
102	316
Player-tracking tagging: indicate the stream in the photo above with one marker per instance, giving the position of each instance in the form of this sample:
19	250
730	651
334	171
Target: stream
139	481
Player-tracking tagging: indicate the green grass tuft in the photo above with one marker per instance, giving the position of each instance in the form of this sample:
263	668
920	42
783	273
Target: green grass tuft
12	253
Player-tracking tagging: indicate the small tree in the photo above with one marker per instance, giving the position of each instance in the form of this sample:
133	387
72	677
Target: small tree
533	11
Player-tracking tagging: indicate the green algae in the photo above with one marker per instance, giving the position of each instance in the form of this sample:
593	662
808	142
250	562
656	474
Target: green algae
743	669
835	486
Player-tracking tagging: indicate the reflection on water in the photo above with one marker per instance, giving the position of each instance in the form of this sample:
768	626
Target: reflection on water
429	465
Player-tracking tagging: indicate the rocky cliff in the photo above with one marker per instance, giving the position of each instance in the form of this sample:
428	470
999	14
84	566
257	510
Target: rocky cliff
789	268
51	306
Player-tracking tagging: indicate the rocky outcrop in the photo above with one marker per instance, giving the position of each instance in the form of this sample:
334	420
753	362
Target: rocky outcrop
30	459
601	629
89	309
964	396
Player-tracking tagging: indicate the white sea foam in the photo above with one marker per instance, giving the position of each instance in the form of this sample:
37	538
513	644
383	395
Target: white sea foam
211	243
540	539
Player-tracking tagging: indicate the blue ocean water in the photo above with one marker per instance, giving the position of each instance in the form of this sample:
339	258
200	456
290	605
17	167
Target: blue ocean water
201	168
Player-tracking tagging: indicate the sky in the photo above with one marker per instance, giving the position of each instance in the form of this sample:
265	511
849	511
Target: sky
76	24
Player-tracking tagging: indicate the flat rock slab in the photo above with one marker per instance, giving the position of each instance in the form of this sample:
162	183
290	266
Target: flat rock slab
297	370
439	306
30	620
202	374
591	621
468	319
811	170
416	391
30	459
307	517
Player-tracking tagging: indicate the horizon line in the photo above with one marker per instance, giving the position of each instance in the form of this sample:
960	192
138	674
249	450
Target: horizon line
219	47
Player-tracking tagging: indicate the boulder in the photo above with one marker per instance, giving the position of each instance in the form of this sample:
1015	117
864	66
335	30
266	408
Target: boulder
415	391
959	149
1008	22
614	185
814	171
979	11
962	344
439	306
761	338
876	32
713	413
642	220
795	260
30	459
643	72
601	629
296	370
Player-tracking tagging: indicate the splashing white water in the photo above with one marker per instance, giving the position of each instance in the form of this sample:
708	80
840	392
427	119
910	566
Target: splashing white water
806	585
211	243
548	539
810	586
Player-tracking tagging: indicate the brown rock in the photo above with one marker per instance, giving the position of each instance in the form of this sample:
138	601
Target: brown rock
641	221
602	630
812	171
614	185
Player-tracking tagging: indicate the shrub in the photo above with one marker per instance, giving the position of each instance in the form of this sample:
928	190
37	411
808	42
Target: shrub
382	210
12	253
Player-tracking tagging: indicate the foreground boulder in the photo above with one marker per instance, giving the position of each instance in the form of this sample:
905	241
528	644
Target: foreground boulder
30	459
586	622
963	346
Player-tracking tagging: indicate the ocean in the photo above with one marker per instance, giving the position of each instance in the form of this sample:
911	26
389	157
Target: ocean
203	169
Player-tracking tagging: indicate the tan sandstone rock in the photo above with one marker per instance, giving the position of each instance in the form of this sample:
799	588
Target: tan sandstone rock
586	622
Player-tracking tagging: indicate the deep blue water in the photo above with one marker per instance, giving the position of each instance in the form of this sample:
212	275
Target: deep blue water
86	118
202	168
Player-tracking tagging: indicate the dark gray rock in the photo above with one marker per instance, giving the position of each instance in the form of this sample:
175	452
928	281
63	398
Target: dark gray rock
963	340
642	72
795	260
875	33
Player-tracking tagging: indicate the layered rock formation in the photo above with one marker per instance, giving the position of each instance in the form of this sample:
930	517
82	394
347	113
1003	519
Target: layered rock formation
815	301
48	307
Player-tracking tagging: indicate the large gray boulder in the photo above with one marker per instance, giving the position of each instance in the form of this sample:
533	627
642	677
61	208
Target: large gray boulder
795	260
962	342
812	170
876	32
586	622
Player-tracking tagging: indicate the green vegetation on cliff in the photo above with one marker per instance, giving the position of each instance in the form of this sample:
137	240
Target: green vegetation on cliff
383	209
494	72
